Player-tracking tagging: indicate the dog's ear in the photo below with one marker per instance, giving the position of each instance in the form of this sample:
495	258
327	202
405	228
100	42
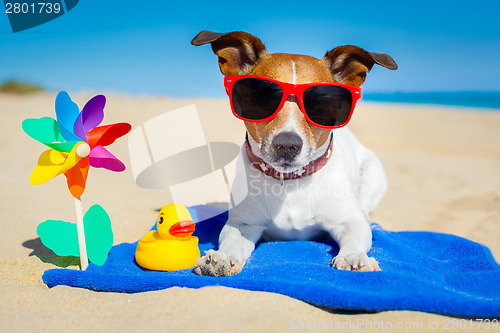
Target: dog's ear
349	64
238	51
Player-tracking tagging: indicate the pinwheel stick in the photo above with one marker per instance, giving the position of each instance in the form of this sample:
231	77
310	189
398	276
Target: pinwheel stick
82	150
84	261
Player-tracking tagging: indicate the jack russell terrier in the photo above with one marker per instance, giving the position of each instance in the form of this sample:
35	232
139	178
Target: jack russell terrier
294	107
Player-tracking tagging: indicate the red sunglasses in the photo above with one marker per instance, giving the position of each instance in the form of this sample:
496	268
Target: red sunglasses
324	104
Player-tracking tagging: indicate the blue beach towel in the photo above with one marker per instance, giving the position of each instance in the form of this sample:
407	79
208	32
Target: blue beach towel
422	271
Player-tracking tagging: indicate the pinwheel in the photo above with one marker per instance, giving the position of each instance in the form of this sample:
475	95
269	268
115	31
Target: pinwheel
76	142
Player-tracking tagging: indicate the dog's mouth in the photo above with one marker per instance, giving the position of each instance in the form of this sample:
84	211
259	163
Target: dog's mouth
285	166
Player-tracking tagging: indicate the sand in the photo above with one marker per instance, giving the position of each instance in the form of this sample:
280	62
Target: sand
443	167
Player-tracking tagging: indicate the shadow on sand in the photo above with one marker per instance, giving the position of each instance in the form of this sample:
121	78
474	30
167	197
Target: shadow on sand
46	255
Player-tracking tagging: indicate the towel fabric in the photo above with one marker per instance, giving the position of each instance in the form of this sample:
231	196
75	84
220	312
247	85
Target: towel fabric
422	271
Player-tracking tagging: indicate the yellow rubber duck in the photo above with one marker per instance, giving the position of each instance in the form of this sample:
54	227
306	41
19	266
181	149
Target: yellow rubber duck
171	247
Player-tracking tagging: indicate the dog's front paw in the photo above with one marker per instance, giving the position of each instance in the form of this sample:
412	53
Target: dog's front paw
355	262
217	263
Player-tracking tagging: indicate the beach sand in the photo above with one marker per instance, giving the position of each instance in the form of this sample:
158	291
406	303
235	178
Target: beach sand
443	166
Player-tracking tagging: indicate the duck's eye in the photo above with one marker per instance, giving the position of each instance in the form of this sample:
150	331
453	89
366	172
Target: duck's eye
161	220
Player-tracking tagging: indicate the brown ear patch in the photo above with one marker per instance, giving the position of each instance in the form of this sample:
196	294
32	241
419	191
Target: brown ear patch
205	37
238	51
349	64
384	60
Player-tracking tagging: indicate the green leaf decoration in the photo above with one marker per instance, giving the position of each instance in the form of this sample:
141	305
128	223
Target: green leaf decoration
59	236
98	234
46	130
62	237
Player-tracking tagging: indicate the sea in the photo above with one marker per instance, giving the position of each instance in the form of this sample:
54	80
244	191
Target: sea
487	100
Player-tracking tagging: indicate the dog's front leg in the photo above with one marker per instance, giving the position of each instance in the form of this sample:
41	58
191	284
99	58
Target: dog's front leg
236	243
354	238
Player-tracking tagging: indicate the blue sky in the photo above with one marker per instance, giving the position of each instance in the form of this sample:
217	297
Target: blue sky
143	47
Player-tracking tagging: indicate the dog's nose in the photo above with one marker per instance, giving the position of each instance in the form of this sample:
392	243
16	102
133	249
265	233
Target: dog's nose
287	145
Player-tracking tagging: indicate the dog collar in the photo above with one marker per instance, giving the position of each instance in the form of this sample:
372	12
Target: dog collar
305	171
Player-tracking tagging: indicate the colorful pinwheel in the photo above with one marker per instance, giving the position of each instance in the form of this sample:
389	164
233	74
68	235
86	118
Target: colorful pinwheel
76	142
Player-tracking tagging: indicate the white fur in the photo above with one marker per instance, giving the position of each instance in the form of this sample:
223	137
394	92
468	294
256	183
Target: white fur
294	78
336	199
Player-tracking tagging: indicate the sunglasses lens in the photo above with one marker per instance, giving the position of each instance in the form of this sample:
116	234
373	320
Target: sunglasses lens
256	99
328	105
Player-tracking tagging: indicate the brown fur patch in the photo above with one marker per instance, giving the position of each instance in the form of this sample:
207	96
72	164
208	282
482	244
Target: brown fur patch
238	51
349	64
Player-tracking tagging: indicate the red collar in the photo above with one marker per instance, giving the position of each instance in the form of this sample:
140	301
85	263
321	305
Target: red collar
309	169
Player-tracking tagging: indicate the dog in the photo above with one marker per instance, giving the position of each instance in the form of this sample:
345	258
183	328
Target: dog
324	179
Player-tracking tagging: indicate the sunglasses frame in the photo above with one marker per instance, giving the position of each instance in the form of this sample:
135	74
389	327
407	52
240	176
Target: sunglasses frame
291	89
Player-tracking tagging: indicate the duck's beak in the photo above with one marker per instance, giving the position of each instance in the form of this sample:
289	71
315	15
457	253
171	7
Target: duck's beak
182	228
